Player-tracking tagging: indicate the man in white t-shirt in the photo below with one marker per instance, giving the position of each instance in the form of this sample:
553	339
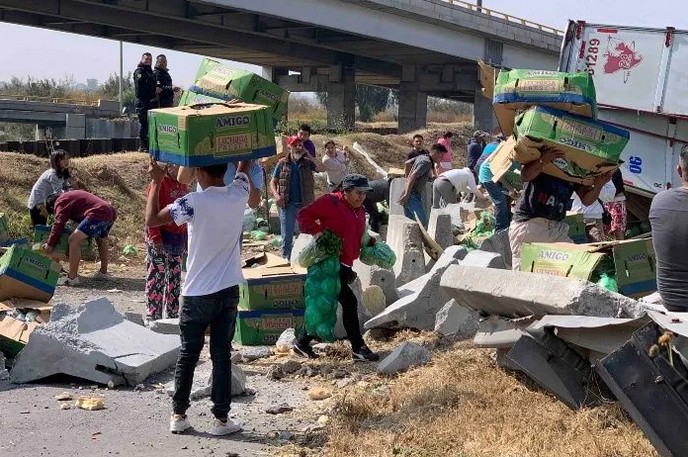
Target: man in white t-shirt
450	184
336	163
210	294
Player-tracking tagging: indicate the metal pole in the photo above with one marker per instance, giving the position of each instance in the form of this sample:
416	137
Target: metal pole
479	3
121	76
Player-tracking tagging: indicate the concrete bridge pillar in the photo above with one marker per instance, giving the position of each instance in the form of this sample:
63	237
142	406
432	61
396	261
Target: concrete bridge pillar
341	98
483	114
413	103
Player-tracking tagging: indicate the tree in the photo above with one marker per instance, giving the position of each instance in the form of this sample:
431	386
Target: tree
369	99
110	90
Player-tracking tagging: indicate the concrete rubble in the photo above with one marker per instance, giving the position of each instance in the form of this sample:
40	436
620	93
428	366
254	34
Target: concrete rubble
407	355
440	227
202	382
405	239
375	300
499	243
456	321
515	294
372	275
421	298
93	341
168	326
484	259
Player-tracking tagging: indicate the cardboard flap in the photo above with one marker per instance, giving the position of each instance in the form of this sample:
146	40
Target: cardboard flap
502	158
488	75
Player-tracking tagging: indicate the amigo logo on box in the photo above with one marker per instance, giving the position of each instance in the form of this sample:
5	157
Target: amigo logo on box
232	121
558	256
34	263
268	96
577	144
168	129
541	73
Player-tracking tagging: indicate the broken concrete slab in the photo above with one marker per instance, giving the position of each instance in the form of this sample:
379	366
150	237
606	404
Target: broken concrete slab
600	334
136	318
484	259
372	275
203	382
456	321
440	227
300	243
420	299
405	239
515	294
249	354
407	355
94	342
499	243
165	326
501	333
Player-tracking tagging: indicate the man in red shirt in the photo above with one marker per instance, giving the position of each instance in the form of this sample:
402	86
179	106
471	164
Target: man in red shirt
95	217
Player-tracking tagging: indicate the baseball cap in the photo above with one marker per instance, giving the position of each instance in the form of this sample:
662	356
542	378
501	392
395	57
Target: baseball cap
356	181
478	134
293	140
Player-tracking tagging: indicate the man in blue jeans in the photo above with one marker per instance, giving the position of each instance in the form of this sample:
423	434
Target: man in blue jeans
496	190
292	187
210	294
421	169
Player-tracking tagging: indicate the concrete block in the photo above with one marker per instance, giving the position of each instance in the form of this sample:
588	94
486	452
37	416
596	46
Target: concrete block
404	237
203	383
456	321
484	259
249	354
516	294
372	275
94	342
420	299
136	318
440	227
454	211
499	243
407	355
501	333
165	326
299	245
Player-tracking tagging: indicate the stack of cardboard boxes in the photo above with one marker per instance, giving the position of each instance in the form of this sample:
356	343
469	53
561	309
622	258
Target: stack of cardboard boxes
271	300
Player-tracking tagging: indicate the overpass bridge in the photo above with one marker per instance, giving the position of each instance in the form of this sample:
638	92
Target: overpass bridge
418	47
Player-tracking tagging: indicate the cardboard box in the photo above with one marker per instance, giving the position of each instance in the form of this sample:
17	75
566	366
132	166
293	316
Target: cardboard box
577	231
27	274
190	98
273	285
15	333
216	80
633	261
262	328
202	135
41	233
590	147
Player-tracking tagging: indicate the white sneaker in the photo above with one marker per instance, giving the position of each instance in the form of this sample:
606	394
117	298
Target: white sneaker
220	428
100	276
66	281
178	423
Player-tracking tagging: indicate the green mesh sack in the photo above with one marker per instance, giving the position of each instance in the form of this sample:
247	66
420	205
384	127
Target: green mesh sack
322	289
608	282
379	254
323	245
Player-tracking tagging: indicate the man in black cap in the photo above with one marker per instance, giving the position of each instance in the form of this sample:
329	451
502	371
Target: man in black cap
146	91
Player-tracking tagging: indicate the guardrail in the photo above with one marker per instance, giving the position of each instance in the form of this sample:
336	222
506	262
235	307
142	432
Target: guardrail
60	101
506	17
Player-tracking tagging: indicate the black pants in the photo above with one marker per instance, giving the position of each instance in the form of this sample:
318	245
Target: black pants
349	304
36	217
375	218
217	311
142	111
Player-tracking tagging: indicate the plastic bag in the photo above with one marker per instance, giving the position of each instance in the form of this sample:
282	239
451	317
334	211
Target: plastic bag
608	282
323	245
249	220
259	235
379	254
322	289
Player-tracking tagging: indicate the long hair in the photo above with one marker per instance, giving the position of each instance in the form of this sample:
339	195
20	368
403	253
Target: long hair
55	158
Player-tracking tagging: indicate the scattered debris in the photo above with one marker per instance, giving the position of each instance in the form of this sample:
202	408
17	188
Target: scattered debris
90	403
279	409
407	355
64	396
285	341
319	393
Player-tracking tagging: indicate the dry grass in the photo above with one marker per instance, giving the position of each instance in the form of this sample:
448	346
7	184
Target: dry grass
463	405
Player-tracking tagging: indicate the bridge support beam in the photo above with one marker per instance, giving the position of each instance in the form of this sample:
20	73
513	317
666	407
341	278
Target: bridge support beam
413	103
483	114
341	98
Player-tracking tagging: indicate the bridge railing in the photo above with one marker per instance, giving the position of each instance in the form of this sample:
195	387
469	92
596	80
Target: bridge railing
506	17
61	101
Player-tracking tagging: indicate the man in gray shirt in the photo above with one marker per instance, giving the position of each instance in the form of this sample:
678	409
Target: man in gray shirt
421	169
669	219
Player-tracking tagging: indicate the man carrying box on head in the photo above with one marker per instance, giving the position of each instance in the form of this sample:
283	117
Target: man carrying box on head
95	217
292	188
540	211
210	294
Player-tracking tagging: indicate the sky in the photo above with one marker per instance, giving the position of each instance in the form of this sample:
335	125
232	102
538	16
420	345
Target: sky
43	53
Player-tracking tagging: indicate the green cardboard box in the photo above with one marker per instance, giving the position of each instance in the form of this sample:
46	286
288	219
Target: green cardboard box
41	233
27	274
262	328
216	80
630	262
577	231
15	333
190	98
202	135
518	90
273	285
